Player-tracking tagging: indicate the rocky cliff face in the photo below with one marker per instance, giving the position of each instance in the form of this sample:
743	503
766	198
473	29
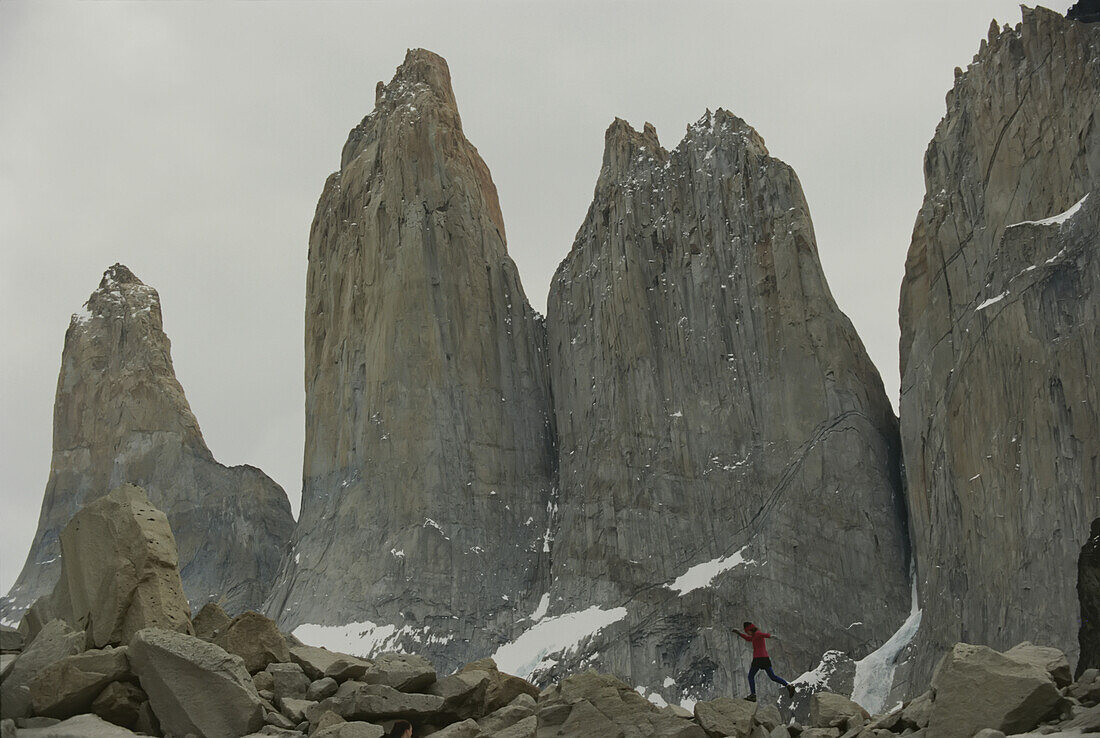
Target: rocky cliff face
429	440
1000	308
121	417
727	452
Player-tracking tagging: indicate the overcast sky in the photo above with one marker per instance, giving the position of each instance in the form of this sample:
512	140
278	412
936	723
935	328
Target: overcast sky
190	142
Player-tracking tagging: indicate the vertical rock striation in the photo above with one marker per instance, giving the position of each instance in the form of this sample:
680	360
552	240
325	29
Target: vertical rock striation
429	439
120	416
1000	308
727	451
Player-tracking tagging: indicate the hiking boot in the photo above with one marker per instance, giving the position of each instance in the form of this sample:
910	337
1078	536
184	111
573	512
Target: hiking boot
790	691
751	698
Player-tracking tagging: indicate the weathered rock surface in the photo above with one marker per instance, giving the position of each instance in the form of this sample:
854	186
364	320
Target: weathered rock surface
597	704
254	638
195	686
715	409
1000	313
69	686
80	726
55	641
210	621
119	570
429	440
975	687
1088	596
121	417
120	703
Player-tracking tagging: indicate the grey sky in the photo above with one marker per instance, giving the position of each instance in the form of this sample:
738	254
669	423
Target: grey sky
191	141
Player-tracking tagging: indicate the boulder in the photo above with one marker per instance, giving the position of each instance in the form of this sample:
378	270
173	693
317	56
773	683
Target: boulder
321	688
68	687
347	667
254	638
54	642
520	708
767	716
278	719
7	661
293	708
195	686
725	717
404	672
210	621
80	726
373	702
502	688
463	694
820	733
119	570
598	704
465	729
264	682
324	719
832	710
353	729
975	687
316	661
11	640
1050	660
7	728
287	680
525	728
120	703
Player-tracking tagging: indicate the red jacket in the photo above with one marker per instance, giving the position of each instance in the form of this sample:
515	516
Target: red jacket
759	649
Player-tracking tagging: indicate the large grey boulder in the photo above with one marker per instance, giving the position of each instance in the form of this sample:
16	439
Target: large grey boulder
377	702
80	726
725	717
121	703
1050	660
1000	341
54	642
120	416
598	704
11	640
254	638
404	672
828	710
713	403
195	686
69	686
317	662
210	621
975	687
429	440
119	570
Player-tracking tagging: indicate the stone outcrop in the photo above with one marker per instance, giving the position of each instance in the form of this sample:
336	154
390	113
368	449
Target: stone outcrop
723	436
1000	312
69	686
194	686
55	641
1016	695
120	416
119	570
429	439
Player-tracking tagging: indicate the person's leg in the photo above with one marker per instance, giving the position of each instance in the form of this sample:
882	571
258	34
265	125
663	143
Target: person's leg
774	678
752	678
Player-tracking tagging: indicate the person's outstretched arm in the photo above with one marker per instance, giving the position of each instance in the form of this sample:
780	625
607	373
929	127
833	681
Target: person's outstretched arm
745	637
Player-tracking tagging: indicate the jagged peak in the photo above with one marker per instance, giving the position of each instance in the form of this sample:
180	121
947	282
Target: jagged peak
119	288
118	274
422	71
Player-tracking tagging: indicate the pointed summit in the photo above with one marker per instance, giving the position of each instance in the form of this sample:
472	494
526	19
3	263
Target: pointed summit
120	416
429	441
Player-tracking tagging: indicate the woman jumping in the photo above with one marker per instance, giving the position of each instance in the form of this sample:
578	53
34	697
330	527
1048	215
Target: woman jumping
760	659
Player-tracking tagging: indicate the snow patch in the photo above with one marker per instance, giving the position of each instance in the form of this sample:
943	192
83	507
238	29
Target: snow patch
816	678
560	634
701	575
540	611
366	639
993	300
83	316
429	523
1054	219
875	671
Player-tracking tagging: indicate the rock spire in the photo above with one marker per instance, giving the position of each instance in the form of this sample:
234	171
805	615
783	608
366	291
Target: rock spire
727	452
121	417
1000	308
429	436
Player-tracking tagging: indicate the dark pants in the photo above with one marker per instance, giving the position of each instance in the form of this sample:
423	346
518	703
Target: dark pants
762	662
